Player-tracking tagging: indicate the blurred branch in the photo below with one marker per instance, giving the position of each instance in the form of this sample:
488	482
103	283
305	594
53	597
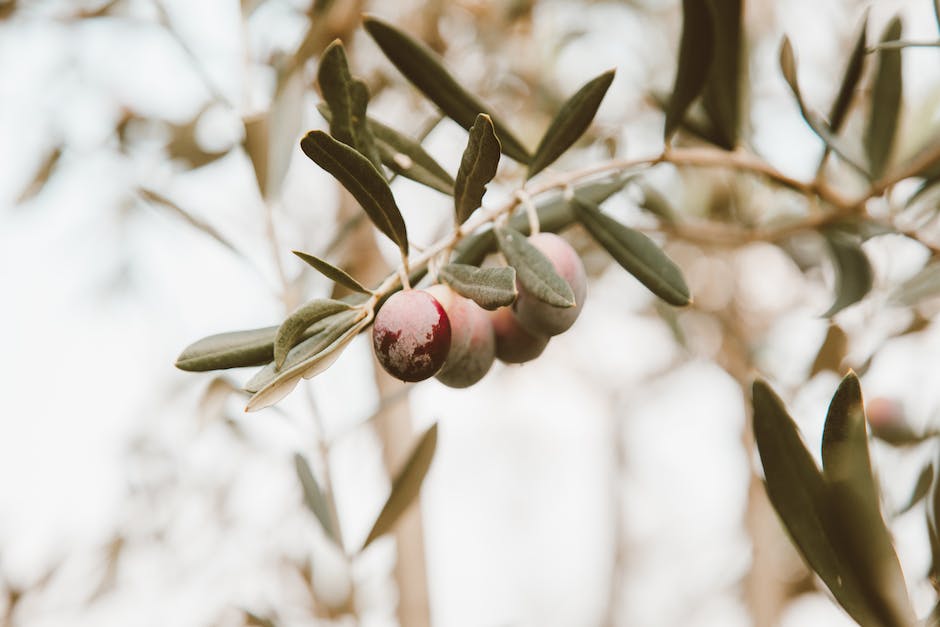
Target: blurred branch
196	64
157	198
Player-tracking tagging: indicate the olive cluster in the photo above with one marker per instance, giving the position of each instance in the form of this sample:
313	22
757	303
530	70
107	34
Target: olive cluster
436	332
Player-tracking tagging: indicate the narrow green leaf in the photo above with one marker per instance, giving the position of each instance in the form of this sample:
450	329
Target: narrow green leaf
490	288
695	58
408	158
798	493
656	203
423	68
236	349
857	526
850	78
853	271
299	321
306	359
721	95
477	167
406	486
533	269
569	124
636	253
313	496
812	118
845	442
403	155
332	272
920	491
362	180
347	99
885	103
923	285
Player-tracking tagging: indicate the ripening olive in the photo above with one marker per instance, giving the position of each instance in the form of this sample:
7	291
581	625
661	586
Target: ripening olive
411	335
514	344
472	346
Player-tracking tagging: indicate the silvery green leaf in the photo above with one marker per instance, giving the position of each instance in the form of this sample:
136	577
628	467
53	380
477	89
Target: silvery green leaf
490	288
569	124
299	321
477	167
533	269
367	185
857	526
854	277
812	118
313	496
721	95
310	357
405	486
424	70
695	58
235	349
332	272
636	253
799	494
347	99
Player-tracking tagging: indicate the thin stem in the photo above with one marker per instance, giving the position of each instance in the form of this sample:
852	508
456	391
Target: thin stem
921	162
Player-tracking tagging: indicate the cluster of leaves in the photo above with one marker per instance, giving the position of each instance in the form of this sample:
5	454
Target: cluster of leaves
705	104
363	155
834	515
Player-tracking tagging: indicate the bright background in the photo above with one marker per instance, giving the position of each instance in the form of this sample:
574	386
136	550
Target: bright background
615	442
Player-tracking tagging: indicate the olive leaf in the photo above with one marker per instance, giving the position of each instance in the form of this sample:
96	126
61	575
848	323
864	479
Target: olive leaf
347	99
490	288
798	492
477	167
885	103
635	252
299	321
569	124
721	94
235	349
857	527
920	491
403	155
812	118
313	496
199	224
367	185
307	359
425	71
533	269
332	272
850	79
695	57
854	277
657	204
405	486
